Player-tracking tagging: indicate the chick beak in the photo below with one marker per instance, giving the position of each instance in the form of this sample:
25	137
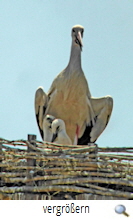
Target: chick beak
54	137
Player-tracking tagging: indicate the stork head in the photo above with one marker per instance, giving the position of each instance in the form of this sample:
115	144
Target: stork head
48	120
77	35
58	125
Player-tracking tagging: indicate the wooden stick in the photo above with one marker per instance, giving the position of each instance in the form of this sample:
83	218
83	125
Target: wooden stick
58	188
90	180
64	174
10	178
115	149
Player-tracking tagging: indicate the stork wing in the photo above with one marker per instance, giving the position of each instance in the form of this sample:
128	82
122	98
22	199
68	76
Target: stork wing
40	108
102	108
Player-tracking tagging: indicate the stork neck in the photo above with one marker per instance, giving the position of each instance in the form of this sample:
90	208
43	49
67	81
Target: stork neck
75	58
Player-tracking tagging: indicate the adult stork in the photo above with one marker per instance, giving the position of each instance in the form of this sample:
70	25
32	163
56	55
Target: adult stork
69	99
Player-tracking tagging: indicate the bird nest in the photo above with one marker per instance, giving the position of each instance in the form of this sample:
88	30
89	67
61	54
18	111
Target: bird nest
37	170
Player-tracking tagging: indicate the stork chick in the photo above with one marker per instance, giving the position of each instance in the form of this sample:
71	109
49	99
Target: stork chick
59	132
47	129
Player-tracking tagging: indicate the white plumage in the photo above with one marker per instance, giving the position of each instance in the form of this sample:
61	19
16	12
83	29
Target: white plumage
47	130
59	132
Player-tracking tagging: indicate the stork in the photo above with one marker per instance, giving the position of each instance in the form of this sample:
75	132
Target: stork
69	99
59	132
47	128
54	130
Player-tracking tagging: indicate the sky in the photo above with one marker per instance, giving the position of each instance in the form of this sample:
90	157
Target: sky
35	42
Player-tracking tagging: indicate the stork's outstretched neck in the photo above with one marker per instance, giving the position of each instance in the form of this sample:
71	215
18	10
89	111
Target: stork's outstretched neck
76	48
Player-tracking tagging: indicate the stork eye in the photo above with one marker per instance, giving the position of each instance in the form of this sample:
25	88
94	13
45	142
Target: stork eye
73	31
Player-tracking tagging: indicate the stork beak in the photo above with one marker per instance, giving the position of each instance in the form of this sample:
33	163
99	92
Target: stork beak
79	38
54	137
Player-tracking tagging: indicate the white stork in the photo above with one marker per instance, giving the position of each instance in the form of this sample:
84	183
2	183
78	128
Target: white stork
55	130
46	127
59	132
69	99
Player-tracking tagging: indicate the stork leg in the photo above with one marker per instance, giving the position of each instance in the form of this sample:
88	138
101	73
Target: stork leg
102	108
40	108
